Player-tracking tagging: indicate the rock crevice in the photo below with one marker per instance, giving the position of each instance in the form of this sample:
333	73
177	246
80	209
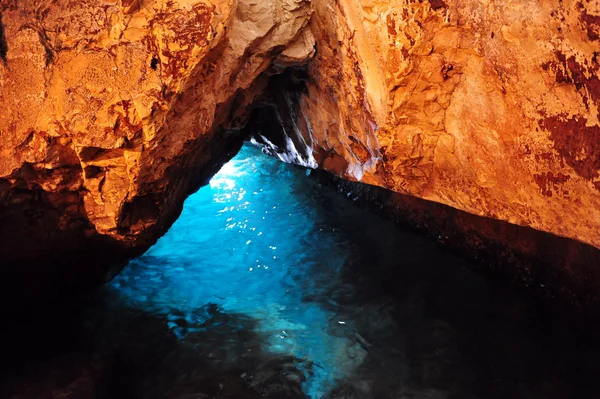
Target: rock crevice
3	44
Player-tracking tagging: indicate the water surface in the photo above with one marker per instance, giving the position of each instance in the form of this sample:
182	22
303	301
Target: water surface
269	285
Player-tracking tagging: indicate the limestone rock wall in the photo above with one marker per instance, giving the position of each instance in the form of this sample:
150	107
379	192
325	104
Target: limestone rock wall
113	111
491	107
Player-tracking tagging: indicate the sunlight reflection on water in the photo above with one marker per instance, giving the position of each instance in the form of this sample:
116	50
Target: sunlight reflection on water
269	285
236	245
348	305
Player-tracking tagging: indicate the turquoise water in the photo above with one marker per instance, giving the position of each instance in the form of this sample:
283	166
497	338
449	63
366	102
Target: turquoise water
270	285
253	242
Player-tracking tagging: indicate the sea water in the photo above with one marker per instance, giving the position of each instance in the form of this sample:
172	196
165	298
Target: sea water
270	285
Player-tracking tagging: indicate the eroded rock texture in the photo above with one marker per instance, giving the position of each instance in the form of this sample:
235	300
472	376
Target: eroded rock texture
491	107
114	111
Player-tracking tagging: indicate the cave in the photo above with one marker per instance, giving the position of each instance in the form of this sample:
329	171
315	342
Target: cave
299	199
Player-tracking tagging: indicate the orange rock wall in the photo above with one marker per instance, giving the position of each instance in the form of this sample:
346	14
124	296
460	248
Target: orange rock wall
114	111
491	107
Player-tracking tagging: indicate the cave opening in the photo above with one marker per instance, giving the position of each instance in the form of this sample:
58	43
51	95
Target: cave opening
272	285
465	148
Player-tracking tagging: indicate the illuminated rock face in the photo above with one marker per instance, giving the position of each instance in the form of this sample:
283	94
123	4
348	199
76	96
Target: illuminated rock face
490	107
114	111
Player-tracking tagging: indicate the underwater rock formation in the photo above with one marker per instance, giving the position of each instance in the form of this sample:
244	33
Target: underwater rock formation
115	111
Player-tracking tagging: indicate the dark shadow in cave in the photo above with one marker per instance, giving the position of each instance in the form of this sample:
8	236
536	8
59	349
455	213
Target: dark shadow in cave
433	325
3	44
92	349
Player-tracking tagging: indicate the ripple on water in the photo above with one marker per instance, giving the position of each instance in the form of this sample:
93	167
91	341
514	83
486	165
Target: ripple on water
270	285
249	243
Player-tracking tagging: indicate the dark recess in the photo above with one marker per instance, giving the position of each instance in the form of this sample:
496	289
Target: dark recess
561	273
274	115
437	4
3	44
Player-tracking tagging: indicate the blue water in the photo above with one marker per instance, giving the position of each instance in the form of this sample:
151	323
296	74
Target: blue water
270	285
253	242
